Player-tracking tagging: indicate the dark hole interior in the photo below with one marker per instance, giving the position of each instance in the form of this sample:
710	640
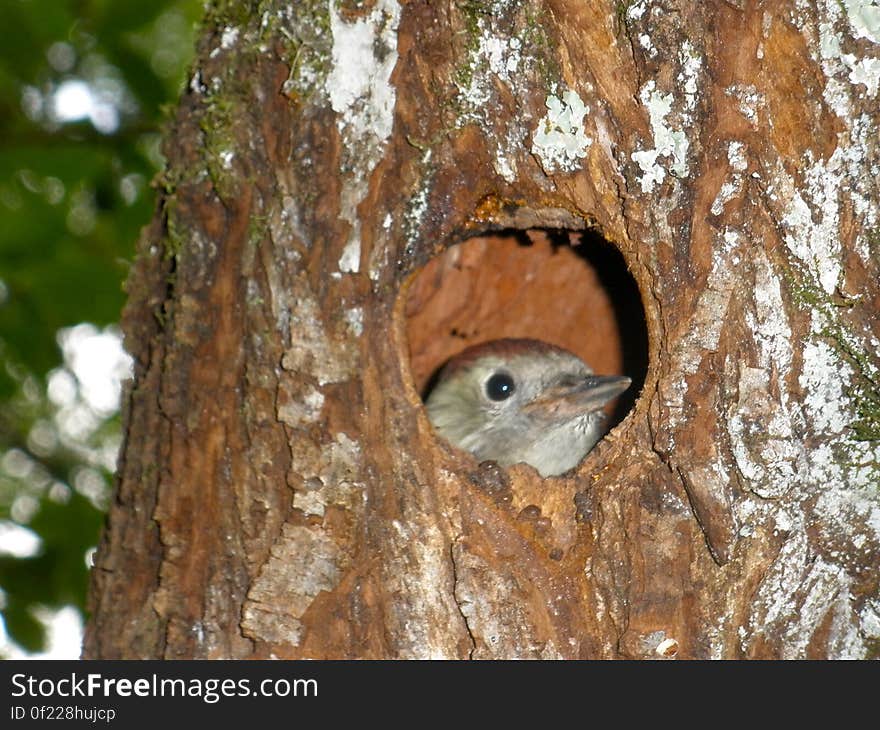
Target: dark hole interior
569	288
629	314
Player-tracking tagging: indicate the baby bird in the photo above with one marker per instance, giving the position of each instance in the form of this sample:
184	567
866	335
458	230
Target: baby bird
522	400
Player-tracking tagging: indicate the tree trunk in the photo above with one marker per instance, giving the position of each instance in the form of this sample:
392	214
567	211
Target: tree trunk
281	492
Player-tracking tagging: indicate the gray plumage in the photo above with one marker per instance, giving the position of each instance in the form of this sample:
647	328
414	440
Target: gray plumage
522	400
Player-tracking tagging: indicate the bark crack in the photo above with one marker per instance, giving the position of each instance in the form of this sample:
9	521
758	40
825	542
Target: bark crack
464	618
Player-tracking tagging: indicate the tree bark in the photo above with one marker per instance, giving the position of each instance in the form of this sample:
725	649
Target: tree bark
281	492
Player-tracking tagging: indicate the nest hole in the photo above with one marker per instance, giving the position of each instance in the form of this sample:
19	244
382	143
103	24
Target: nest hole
568	288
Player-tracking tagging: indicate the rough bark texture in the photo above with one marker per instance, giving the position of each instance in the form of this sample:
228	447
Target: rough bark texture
281	492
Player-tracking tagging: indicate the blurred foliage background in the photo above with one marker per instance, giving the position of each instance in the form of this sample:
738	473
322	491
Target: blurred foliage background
83	85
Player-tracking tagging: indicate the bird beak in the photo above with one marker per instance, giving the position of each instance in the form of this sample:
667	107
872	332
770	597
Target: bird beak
586	396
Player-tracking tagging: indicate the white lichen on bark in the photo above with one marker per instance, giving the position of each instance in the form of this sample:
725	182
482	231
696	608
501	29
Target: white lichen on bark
560	141
500	57
670	139
788	398
670	144
359	86
793	443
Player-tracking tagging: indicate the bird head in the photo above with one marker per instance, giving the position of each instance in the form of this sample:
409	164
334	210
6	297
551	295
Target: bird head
522	400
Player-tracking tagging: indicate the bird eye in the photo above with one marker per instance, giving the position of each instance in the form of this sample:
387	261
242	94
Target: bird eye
500	386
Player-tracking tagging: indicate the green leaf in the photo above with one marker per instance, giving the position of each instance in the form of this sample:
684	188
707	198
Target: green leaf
69	228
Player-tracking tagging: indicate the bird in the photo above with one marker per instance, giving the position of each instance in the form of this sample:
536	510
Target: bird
514	400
